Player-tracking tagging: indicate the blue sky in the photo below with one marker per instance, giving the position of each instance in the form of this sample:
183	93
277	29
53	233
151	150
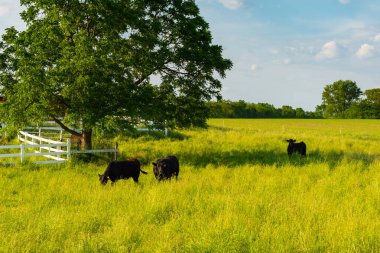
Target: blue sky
285	51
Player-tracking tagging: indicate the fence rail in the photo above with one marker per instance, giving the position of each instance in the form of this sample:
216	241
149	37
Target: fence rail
51	153
56	151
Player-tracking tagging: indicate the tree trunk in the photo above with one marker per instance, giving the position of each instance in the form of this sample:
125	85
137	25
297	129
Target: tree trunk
86	141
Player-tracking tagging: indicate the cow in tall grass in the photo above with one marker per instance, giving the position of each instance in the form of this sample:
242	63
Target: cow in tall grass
165	168
294	147
121	170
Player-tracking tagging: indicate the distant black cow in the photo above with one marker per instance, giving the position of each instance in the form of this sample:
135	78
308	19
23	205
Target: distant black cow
165	168
294	147
121	170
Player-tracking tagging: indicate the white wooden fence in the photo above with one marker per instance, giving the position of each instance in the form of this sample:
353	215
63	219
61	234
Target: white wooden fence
47	148
54	155
56	151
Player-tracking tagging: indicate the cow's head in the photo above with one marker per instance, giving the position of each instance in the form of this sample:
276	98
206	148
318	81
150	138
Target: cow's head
159	168
291	141
103	179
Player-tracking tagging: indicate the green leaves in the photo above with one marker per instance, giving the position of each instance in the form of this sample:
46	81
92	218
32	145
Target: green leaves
89	61
339	96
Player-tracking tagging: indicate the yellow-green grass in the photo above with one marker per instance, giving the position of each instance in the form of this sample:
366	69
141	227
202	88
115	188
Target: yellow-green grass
238	191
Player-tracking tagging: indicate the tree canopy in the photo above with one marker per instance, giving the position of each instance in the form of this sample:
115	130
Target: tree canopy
373	96
369	107
338	97
242	109
85	62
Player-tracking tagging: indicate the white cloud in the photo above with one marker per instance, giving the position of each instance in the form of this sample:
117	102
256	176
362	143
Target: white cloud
328	51
232	4
344	1
254	67
4	10
377	38
285	61
275	51
365	51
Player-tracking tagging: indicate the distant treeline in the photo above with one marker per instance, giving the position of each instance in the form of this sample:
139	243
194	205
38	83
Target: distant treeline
342	99
242	109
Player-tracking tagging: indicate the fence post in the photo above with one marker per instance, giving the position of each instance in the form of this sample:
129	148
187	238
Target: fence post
116	150
22	152
166	128
59	147
68	148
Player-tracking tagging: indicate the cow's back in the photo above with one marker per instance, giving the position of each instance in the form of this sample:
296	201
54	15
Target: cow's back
174	161
302	148
172	164
124	169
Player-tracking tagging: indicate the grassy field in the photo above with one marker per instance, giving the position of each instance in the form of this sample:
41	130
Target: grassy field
238	191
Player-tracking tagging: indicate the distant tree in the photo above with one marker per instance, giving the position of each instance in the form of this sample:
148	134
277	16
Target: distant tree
300	113
362	109
228	109
251	110
215	109
240	109
369	107
81	62
338	97
353	112
373	98
221	109
265	110
313	115
320	110
287	112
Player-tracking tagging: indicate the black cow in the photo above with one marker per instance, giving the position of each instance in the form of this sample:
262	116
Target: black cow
121	170
165	168
294	147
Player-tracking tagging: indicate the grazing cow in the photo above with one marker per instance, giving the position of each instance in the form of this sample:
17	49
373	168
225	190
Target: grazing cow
294	147
165	168
121	170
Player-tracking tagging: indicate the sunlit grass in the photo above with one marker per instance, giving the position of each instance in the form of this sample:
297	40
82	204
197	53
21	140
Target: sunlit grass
237	192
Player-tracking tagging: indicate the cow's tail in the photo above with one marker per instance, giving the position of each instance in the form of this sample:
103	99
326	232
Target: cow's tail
143	172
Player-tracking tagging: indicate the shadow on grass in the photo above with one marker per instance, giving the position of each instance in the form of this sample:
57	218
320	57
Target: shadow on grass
157	135
236	158
220	128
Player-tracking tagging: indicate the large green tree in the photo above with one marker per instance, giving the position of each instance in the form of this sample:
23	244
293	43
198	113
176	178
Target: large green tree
82	62
373	102
338	97
373	95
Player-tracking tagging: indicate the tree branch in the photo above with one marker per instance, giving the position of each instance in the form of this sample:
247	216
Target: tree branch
144	77
64	127
167	69
61	100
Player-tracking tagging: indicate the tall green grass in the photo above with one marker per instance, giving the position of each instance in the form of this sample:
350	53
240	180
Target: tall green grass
238	191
